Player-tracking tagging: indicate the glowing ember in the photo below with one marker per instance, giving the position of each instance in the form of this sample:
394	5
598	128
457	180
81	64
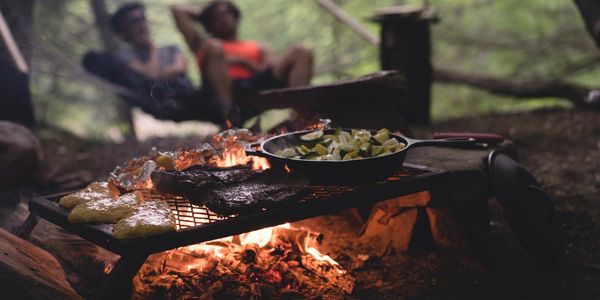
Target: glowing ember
279	259
148	184
108	268
322	124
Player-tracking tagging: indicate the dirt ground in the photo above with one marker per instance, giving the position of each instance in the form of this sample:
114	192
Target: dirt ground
560	147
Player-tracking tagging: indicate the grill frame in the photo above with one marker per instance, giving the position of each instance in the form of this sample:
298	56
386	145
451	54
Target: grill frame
321	200
134	252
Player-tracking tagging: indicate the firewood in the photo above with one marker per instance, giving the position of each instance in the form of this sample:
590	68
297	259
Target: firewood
389	231
28	272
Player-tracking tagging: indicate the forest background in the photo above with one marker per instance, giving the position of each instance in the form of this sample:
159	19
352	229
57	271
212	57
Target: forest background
524	41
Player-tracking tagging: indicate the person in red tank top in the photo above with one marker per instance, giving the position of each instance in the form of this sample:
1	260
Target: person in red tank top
245	67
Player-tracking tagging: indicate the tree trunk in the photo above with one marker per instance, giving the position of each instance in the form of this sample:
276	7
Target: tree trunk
590	12
577	94
406	46
102	23
15	102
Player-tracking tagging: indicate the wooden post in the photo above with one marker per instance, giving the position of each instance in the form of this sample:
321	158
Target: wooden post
406	46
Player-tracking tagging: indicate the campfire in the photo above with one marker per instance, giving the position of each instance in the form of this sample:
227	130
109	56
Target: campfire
271	263
280	262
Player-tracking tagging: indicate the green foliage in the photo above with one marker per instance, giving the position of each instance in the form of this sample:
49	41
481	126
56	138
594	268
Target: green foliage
522	40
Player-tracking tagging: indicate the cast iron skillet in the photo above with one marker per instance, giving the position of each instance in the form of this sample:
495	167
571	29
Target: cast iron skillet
346	171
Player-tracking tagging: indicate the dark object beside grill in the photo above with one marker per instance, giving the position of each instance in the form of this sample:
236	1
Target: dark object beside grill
232	190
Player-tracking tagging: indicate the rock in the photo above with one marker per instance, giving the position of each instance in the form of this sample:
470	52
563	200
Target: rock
446	232
20	154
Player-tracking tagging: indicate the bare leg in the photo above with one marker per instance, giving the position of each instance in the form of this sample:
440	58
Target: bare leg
214	70
295	67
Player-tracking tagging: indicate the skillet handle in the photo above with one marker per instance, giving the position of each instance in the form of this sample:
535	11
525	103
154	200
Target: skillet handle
254	149
489	138
451	142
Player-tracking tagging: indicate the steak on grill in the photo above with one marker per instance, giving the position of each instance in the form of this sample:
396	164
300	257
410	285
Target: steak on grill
232	190
197	178
262	190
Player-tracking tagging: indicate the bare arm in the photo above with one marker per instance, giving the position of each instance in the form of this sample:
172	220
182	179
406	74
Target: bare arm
184	19
176	68
150	69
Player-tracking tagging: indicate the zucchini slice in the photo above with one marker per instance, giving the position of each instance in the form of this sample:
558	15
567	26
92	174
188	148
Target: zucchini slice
312	136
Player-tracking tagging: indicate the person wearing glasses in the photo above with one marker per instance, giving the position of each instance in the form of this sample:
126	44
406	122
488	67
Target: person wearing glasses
160	71
142	55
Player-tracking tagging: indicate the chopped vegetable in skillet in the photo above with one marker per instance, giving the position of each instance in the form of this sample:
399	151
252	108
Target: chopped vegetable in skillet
343	145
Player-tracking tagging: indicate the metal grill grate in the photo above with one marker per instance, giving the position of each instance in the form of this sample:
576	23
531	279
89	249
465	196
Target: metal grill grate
189	215
186	214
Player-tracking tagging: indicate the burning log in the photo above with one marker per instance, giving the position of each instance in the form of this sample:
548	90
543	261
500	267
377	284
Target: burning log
404	223
390	226
271	263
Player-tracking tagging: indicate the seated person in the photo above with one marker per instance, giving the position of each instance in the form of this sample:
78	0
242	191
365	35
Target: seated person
157	73
249	65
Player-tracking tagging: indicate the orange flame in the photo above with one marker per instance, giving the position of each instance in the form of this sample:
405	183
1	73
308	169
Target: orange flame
205	257
261	237
148	184
228	124
217	251
109	267
318	256
234	155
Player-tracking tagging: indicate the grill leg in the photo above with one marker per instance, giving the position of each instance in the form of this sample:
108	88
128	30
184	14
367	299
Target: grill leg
118	285
27	226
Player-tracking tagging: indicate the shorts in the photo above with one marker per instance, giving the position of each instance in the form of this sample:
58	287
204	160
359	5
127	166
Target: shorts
243	88
263	80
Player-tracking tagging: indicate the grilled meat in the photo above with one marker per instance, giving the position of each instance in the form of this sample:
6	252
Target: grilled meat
232	190
263	190
197	178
